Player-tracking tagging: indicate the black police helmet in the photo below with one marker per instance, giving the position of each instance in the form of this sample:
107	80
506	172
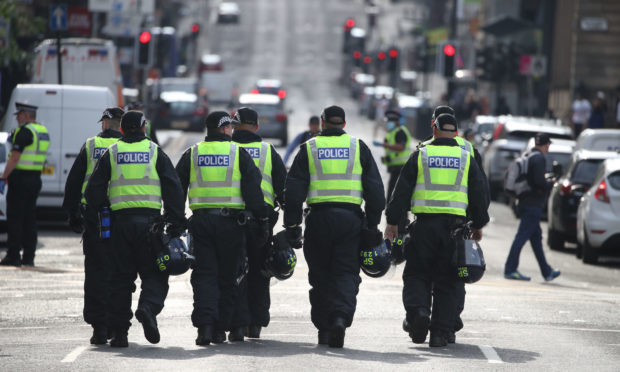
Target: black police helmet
470	264
399	245
281	258
174	258
376	261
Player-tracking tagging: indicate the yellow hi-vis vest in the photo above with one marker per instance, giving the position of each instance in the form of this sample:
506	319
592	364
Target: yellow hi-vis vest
465	144
335	170
441	186
215	178
94	147
34	155
395	158
134	182
261	154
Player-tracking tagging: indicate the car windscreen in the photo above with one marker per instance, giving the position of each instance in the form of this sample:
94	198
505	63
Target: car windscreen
265	110
181	107
585	171
179	87
268	90
562	158
526	135
486	128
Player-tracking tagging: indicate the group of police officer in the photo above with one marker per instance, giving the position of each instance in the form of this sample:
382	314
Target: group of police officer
235	183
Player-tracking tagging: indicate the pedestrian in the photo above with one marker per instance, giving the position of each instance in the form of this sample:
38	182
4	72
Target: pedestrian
96	258
313	130
443	186
397	145
273	171
502	107
599	110
150	131
333	172
134	176
224	189
581	113
531	204
30	142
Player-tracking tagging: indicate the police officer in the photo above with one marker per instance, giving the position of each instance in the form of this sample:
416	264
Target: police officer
150	131
134	176
273	171
397	145
223	182
442	185
96	250
30	142
333	172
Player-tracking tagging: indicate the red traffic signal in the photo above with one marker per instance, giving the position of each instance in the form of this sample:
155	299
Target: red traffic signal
350	23
393	53
381	56
367	60
357	54
449	50
145	37
195	28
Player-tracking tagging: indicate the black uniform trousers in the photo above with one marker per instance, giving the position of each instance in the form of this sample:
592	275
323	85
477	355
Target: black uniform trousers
219	248
132	254
97	268
431	268
258	296
21	202
332	251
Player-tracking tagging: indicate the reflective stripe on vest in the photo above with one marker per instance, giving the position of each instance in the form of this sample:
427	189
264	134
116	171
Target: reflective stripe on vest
34	155
335	170
215	178
261	154
94	147
441	185
134	182
394	158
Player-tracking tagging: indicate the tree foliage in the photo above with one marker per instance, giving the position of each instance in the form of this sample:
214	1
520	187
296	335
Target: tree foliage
21	24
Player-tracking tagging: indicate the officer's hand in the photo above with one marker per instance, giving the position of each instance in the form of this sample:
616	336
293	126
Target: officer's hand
2	185
293	236
377	143
371	236
391	231
476	234
76	223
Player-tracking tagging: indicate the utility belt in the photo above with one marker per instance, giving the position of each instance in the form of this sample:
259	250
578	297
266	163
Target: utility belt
331	206
453	221
240	215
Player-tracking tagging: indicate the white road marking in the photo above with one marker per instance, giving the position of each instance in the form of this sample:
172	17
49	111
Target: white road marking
579	321
490	354
9	328
72	356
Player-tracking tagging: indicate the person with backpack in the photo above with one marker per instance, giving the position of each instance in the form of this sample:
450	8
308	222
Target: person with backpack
531	198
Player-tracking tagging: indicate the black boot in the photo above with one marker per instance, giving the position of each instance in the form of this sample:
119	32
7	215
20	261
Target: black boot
417	325
100	335
120	338
451	337
438	339
11	261
219	337
254	331
323	336
149	324
236	334
205	335
336	333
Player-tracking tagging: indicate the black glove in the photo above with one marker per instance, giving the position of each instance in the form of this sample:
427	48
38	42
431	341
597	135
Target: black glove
175	231
76	223
371	236
293	236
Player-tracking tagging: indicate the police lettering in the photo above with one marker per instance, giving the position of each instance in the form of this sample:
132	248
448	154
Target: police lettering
253	151
132	158
213	160
333	153
98	152
43	136
447	162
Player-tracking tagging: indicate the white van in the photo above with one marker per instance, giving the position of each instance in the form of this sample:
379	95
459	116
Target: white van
85	61
70	113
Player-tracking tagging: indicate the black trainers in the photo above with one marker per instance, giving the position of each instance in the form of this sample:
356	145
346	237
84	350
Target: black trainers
451	337
149	324
438	339
418	328
9	261
236	334
336	333
323	337
119	339
100	335
253	331
205	335
219	337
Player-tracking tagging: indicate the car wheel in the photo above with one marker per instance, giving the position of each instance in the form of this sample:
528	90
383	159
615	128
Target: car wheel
589	254
555	240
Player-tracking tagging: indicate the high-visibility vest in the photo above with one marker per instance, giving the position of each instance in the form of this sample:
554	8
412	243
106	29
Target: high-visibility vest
261	154
441	186
465	144
335	170
34	155
215	178
395	158
94	147
134	182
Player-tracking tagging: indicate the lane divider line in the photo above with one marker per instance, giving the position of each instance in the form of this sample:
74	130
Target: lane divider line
74	354
490	354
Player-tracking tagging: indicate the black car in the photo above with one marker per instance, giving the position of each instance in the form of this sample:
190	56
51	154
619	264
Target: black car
566	194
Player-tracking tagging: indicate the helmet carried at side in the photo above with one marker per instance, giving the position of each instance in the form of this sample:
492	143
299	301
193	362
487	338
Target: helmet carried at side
376	261
281	258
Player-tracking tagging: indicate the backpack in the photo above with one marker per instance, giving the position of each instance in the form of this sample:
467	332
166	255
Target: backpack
515	181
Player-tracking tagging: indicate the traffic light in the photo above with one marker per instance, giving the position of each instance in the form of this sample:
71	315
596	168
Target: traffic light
357	58
449	53
195	30
485	64
144	49
367	61
393	54
348	25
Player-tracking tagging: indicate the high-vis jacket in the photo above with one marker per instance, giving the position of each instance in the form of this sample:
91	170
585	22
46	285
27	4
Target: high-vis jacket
463	143
94	147
134	182
396	158
441	185
335	170
33	156
261	154
215	178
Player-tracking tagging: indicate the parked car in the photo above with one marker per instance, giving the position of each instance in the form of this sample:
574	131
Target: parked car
272	120
210	62
179	110
228	12
599	140
483	127
567	192
598	230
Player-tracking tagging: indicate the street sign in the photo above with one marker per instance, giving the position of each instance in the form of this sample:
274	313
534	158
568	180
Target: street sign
539	66
525	64
58	17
